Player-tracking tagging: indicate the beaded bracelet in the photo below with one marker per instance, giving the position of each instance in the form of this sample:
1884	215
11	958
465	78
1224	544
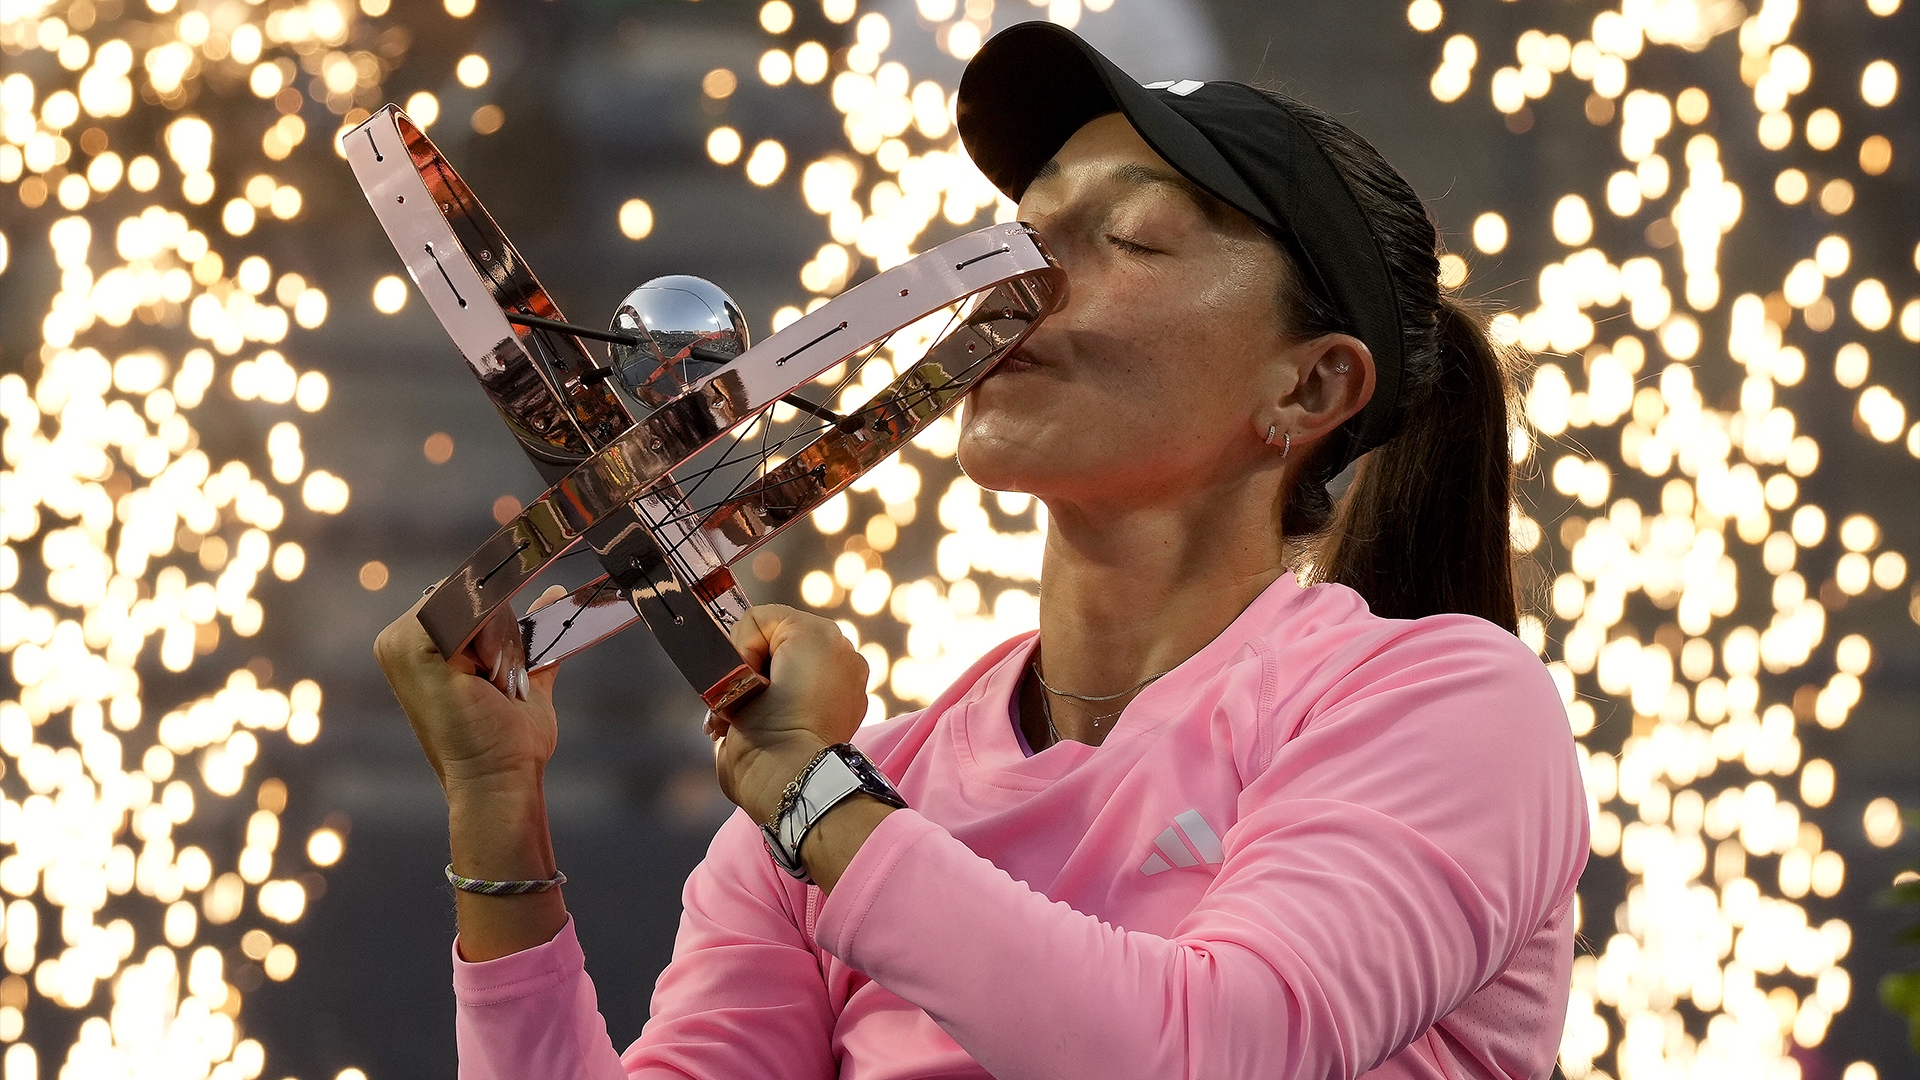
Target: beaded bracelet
503	888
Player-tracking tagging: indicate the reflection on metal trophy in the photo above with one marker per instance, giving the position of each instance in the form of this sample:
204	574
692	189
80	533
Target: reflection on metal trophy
690	447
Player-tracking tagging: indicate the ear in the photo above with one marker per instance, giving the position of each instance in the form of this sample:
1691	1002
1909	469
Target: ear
1332	380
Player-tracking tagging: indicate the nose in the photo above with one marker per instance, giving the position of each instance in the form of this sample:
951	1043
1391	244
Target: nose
1046	226
1055	240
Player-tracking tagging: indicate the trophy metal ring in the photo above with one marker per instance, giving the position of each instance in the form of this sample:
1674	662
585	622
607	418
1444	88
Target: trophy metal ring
673	461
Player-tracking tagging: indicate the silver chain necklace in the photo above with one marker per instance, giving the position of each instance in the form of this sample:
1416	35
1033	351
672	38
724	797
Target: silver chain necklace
1046	705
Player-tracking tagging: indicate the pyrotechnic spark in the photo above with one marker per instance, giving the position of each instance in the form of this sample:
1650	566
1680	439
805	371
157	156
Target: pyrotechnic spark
1715	965
127	542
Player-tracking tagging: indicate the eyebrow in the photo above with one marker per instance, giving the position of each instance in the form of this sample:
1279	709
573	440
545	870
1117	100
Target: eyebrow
1135	174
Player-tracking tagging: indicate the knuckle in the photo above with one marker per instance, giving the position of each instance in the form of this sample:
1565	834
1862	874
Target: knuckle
394	644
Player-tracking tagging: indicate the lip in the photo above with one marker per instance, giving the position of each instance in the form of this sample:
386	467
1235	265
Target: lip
1017	361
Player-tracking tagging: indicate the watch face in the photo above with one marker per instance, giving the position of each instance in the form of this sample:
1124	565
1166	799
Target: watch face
864	771
871	779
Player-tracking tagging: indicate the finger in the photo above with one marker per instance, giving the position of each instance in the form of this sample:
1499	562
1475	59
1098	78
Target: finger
752	634
777	625
553	594
511	680
405	642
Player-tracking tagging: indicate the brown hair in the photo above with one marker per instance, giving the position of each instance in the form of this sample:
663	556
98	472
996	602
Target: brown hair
1424	527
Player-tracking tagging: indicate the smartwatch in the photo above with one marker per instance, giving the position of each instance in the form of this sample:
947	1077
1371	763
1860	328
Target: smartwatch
839	771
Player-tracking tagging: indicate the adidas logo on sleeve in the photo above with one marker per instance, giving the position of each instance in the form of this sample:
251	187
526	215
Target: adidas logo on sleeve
1189	841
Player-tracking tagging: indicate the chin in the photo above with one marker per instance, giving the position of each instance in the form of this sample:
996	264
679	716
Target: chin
993	464
997	452
1014	437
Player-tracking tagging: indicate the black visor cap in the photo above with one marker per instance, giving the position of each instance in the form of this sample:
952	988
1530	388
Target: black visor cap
1031	86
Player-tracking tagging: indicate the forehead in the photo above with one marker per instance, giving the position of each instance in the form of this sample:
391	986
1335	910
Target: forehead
1108	158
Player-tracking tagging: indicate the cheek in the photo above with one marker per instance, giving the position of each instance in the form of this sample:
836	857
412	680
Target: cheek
1234	331
1163	372
1127	326
1186	345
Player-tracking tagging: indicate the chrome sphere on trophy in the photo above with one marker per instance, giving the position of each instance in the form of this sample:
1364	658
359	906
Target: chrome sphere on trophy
684	327
690	446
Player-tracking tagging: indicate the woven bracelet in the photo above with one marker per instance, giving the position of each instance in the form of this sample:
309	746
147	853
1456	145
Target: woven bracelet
502	888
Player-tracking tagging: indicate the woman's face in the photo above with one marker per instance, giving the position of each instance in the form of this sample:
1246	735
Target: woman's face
1160	376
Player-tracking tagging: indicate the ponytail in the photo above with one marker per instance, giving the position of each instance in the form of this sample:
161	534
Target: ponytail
1424	528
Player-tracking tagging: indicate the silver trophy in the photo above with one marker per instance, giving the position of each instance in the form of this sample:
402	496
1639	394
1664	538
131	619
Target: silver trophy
690	446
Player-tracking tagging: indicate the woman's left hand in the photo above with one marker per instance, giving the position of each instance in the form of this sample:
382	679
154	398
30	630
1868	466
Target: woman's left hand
817	697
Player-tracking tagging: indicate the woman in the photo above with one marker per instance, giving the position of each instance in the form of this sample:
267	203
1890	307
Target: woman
1208	821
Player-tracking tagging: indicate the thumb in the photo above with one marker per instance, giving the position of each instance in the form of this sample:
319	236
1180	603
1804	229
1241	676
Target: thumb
543	679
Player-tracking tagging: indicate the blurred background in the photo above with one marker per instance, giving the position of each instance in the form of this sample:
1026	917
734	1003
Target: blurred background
238	443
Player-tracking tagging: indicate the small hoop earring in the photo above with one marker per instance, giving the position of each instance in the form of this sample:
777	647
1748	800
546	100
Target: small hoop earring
1288	448
1269	439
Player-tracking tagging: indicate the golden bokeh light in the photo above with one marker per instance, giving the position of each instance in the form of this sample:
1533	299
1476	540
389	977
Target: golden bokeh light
389	294
424	108
374	575
776	67
810	62
1722	476
776	17
488	119
719	84
636	219
472	70
766	163
723	145
325	847
1879	82
1490	233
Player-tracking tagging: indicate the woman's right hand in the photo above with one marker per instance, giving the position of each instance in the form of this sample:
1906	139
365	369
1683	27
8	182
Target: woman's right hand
476	737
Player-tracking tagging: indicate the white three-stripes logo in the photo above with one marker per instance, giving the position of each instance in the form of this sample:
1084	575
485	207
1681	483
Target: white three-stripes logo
1171	850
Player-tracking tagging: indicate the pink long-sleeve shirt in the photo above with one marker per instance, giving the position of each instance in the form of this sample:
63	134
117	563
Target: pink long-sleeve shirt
1327	845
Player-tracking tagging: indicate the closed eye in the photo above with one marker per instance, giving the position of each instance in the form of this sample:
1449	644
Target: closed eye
1129	246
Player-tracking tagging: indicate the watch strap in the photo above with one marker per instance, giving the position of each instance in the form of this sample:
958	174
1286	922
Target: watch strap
834	776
